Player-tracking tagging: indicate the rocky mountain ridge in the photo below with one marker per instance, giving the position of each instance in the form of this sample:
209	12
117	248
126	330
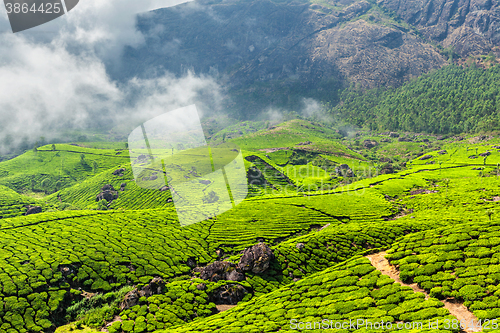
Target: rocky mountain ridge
276	53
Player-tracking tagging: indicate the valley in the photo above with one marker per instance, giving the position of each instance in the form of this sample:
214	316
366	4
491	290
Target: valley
424	200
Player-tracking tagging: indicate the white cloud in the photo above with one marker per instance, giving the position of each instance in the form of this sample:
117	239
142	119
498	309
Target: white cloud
54	77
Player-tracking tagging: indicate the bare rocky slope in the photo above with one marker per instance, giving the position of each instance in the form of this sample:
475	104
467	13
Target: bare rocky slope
470	26
277	52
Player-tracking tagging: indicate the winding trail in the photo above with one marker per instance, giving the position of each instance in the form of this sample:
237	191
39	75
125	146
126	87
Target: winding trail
456	308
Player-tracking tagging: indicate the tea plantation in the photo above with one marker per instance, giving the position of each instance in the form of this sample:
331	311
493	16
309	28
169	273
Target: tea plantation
351	290
12	204
460	262
433	206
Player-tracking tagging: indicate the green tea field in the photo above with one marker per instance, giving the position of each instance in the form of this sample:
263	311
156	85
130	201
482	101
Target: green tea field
318	208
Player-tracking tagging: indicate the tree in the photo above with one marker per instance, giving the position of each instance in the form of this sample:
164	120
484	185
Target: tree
82	159
45	185
94	166
34	149
491	58
53	147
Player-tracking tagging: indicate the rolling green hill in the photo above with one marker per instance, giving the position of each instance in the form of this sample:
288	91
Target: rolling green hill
76	267
59	168
12	204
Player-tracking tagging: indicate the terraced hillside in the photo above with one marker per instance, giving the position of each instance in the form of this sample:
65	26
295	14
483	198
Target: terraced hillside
12	204
129	266
53	167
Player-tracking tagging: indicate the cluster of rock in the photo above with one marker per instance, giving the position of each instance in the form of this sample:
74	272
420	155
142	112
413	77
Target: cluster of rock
228	294
255	259
108	193
370	144
220	270
344	170
33	210
119	172
154	287
141	159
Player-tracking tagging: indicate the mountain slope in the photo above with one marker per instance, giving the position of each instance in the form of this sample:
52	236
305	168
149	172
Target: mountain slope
268	52
470	26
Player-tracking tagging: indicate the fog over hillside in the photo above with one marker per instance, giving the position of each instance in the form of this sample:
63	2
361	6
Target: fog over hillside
56	76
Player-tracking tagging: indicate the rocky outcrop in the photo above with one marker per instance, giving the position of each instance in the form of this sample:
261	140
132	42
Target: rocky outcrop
108	193
289	46
154	287
344	170
256	258
425	157
119	172
370	144
33	210
470	26
235	276
228	294
219	270
129	300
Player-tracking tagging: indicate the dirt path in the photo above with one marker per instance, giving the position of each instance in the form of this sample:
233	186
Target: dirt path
456	308
224	307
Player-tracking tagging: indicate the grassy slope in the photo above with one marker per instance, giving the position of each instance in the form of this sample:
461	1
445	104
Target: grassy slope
63	165
353	289
100	247
13	204
462	196
106	250
287	135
